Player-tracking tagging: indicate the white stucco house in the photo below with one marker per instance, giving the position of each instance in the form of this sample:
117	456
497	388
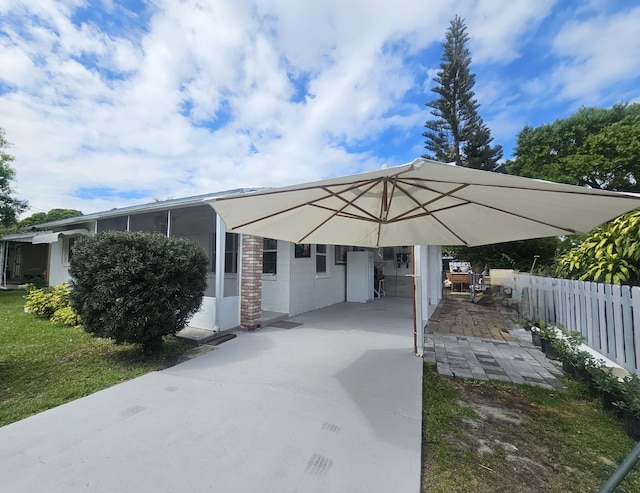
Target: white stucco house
292	279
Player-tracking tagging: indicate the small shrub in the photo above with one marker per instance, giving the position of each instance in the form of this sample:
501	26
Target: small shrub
630	395
606	383
136	287
38	282
44	302
66	316
567	348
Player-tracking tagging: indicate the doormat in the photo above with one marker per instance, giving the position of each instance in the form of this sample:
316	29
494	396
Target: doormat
285	325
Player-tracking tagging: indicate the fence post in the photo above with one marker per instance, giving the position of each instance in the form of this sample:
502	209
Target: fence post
635	310
602	320
627	330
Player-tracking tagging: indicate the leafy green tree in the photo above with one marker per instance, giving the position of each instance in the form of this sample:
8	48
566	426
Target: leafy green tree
52	215
458	133
10	207
610	253
594	147
517	255
136	287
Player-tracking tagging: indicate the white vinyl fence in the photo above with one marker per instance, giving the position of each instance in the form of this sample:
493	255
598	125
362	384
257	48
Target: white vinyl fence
607	315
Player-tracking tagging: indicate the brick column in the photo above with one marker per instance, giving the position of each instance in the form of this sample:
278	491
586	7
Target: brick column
251	283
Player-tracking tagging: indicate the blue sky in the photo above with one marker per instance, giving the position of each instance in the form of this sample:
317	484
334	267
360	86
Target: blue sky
110	103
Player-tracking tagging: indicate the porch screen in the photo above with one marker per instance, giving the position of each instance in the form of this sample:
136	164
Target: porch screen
231	256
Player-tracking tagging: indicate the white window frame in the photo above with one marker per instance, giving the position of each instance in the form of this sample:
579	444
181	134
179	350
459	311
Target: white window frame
325	272
273	250
67	245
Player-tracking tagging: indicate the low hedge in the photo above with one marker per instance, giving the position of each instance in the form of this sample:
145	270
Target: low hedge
53	303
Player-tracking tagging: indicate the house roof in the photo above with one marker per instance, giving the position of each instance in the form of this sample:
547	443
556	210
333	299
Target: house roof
24	237
137	209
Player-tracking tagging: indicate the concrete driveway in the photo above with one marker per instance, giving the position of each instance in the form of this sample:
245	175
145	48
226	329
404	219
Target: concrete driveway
332	405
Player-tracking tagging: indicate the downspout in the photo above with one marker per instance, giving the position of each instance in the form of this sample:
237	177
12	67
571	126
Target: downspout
128	223
415	327
239	278
169	223
418	327
220	254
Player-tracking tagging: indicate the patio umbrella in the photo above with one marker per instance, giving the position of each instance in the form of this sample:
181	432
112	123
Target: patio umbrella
421	203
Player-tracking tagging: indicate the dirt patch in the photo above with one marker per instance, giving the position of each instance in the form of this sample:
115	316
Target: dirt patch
511	457
505	440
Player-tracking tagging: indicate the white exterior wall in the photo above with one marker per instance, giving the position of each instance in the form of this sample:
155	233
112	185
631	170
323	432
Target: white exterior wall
308	290
276	288
205	317
431	263
331	288
58	271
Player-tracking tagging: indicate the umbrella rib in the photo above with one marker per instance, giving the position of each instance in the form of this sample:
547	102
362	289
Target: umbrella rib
423	205
451	193
349	215
520	216
386	205
403	217
339	211
427	213
310	202
385	217
352	202
609	193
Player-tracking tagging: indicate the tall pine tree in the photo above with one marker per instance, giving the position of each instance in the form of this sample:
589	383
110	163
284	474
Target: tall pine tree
458	133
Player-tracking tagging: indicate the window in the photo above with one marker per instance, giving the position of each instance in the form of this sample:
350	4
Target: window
302	250
321	259
270	256
67	249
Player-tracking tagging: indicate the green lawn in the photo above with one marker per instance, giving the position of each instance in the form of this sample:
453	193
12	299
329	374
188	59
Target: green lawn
43	365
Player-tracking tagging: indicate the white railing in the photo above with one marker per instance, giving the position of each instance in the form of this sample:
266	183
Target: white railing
607	315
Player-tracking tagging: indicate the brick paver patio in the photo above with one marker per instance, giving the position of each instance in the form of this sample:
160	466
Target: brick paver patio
484	341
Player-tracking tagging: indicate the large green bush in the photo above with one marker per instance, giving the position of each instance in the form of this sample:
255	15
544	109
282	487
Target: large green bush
610	253
136	287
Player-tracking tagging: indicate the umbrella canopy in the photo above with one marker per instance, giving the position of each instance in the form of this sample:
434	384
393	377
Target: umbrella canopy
421	203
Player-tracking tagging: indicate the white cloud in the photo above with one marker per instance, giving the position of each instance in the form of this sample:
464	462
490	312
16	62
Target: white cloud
497	28
125	107
597	52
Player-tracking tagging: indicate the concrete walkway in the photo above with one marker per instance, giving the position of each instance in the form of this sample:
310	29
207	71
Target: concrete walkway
467	340
330	405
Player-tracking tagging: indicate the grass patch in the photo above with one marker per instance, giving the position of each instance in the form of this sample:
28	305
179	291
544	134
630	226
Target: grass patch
43	365
448	467
491	437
